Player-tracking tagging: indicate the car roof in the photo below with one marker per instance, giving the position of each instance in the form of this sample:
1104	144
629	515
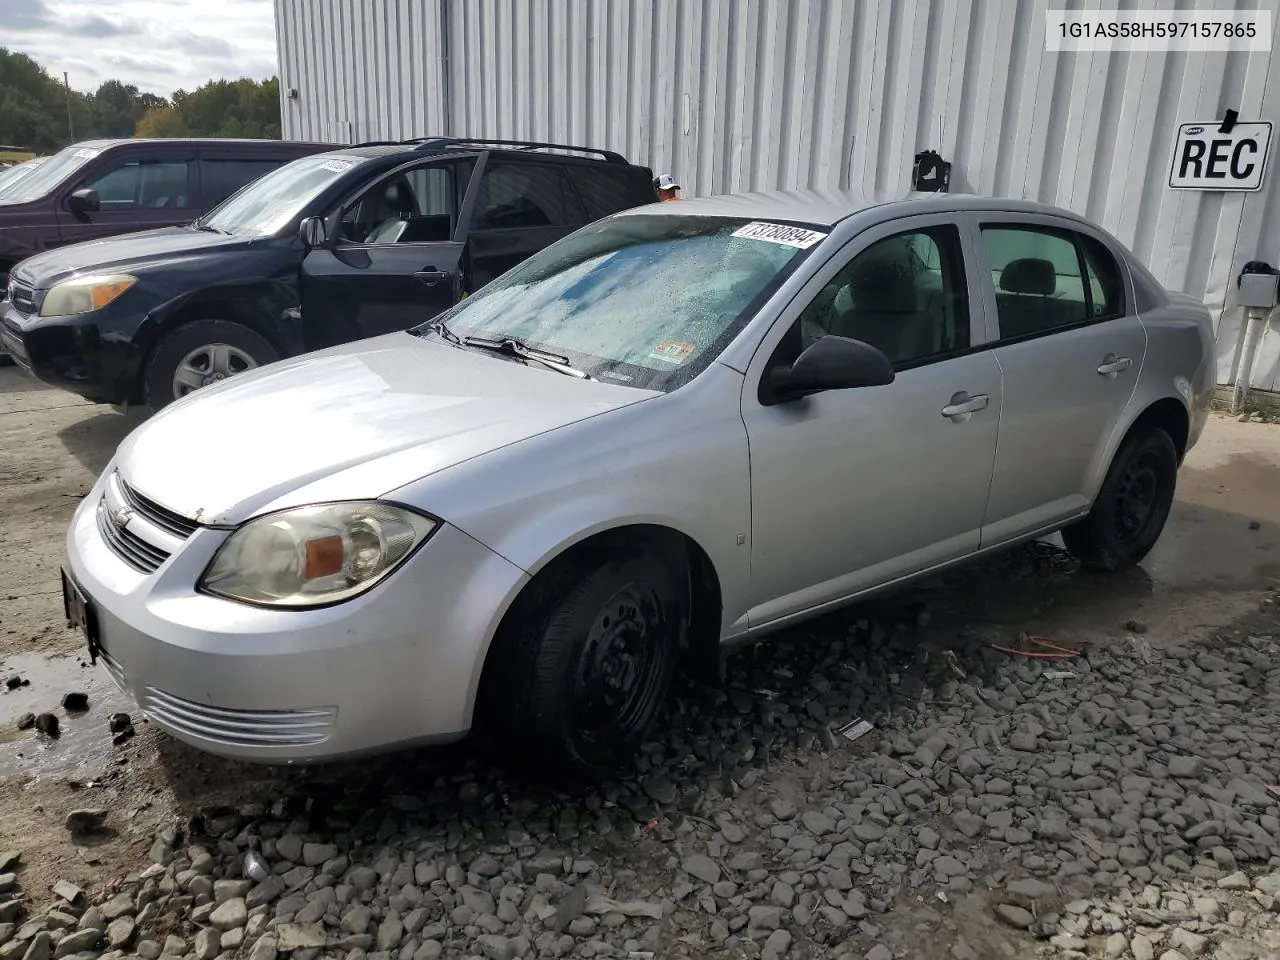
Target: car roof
827	207
104	144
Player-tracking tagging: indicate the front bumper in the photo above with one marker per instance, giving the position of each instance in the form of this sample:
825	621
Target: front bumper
85	354
395	666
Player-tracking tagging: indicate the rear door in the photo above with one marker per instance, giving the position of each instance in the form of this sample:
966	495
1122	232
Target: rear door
521	207
1070	347
138	189
395	260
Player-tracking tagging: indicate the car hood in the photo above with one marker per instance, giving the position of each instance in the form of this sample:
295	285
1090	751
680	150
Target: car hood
120	254
351	422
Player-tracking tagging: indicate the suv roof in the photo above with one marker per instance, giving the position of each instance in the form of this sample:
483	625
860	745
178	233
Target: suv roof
469	144
105	143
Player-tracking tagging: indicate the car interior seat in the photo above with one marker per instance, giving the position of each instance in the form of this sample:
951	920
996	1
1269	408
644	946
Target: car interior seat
396	208
1025	299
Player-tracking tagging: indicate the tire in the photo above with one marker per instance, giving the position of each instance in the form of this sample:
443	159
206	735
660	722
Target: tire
618	616
242	348
1131	509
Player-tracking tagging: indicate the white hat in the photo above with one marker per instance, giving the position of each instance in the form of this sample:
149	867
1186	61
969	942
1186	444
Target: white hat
665	182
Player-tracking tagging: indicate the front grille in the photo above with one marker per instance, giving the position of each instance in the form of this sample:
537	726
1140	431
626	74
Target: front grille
163	518
129	547
22	296
240	728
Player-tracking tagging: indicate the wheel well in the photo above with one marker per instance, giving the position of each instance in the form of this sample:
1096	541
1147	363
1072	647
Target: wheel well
702	652
201	308
1170	416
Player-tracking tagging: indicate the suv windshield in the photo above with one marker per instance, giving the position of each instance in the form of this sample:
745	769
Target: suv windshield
11	176
48	174
644	300
268	204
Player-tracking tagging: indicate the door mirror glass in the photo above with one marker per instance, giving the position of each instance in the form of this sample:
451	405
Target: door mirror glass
84	201
830	363
313	233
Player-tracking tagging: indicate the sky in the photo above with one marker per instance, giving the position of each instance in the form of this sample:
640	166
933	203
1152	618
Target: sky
157	45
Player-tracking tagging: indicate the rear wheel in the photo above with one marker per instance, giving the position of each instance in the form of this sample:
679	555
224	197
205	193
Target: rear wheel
199	354
586	660
1131	509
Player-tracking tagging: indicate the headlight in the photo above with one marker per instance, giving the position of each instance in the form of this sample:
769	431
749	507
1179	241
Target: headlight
84	294
310	556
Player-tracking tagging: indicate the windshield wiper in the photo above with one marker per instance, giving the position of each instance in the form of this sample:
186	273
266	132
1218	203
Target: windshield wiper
200	225
514	348
440	329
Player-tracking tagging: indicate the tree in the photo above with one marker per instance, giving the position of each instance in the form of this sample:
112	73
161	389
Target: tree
161	121
34	108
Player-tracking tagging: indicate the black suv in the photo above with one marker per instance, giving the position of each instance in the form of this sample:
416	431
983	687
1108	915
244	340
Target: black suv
333	247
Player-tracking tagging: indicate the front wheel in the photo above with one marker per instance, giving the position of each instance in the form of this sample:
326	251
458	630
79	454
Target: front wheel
1131	509
199	354
586	663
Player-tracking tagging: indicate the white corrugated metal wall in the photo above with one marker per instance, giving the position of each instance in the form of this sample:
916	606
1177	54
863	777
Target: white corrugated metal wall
758	94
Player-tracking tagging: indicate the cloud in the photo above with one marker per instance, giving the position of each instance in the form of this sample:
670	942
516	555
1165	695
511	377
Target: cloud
157	45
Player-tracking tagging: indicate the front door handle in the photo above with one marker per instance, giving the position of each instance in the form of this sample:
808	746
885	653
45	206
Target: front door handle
431	276
1112	365
962	405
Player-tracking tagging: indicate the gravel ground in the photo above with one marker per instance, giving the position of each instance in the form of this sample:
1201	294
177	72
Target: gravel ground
1111	803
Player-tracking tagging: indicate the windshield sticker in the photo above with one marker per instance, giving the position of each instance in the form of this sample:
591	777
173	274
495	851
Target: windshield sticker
798	237
86	154
337	165
672	351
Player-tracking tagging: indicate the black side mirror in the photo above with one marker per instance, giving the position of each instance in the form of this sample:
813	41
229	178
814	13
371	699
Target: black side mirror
84	201
313	232
830	363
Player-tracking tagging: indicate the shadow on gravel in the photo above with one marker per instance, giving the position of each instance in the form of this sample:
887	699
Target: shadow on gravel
93	440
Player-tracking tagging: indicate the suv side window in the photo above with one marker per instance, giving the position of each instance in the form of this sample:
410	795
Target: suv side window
905	295
221	177
604	190
157	184
1048	279
524	195
414	206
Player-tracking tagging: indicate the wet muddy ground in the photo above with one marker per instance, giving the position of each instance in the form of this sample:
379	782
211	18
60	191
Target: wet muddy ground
1211	576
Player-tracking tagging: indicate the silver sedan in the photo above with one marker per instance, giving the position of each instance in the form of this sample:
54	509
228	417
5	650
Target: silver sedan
680	427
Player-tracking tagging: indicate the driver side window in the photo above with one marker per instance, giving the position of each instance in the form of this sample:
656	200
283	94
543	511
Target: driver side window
904	295
413	206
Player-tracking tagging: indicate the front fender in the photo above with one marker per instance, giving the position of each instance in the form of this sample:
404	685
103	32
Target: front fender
268	304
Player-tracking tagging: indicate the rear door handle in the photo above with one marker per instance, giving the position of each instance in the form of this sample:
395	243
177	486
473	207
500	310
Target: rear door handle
431	276
962	405
1111	365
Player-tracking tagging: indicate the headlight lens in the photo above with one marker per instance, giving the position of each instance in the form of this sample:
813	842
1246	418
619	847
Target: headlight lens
85	294
314	555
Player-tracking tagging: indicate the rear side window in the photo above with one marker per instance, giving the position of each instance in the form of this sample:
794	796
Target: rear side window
220	178
1047	279
525	195
154	184
605	190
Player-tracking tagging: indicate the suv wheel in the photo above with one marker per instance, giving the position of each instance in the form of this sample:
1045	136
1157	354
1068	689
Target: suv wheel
201	353
587	660
1132	506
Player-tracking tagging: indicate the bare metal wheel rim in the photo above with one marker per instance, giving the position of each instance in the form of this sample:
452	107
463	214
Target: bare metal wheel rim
210	363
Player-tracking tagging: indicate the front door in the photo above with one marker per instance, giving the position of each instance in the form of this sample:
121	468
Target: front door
394	262
1070	347
854	488
136	191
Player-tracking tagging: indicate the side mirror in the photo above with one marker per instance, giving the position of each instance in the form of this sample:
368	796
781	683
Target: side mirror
830	363
313	233
84	201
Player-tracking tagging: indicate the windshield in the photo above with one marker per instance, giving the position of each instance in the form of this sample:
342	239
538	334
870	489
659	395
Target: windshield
269	204
15	173
47	175
647	301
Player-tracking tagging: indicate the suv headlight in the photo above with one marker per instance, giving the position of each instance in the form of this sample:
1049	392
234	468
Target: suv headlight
316	555
84	294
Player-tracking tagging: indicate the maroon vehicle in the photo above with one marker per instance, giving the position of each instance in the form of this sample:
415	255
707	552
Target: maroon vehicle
100	188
